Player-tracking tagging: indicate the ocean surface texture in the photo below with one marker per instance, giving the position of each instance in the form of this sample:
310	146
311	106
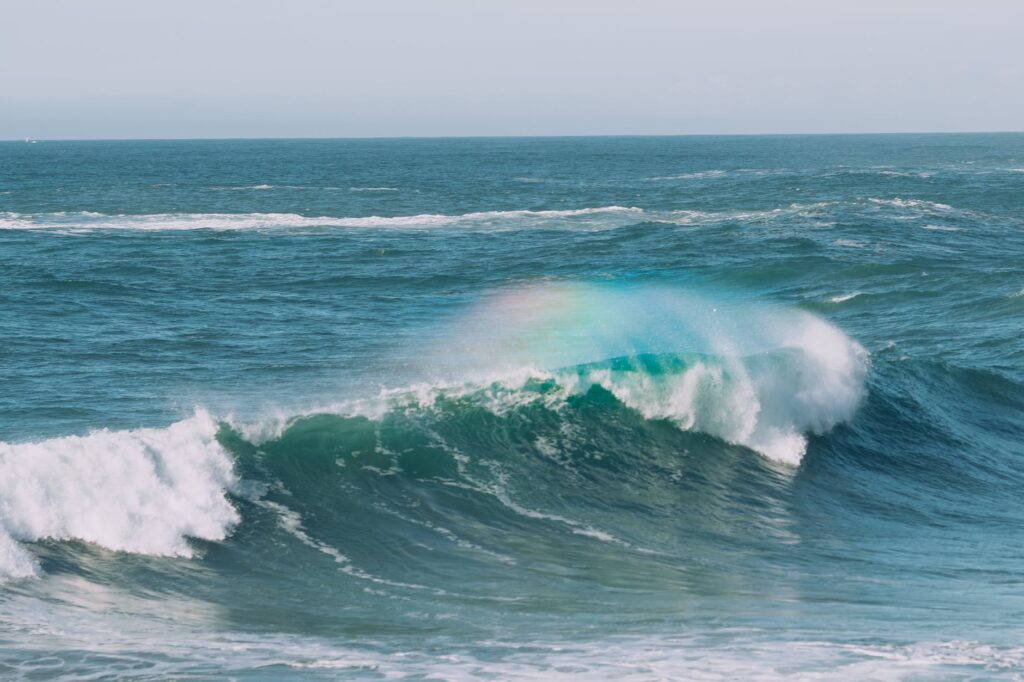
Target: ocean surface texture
592	408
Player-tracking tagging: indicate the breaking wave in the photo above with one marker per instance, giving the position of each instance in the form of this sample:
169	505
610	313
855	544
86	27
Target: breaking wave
576	356
142	491
599	217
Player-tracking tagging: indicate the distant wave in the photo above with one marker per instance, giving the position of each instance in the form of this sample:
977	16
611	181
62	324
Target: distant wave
696	175
696	217
888	171
718	173
599	217
905	174
920	204
247	221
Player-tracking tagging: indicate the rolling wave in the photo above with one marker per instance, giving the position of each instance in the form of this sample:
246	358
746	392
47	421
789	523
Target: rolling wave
537	385
513	444
146	491
142	491
756	378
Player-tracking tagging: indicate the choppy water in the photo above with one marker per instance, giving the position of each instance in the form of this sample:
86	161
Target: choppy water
632	408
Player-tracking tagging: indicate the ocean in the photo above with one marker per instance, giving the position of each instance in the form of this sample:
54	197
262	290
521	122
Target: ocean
631	408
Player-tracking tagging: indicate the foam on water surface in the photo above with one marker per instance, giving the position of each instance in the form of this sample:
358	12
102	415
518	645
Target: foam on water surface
144	491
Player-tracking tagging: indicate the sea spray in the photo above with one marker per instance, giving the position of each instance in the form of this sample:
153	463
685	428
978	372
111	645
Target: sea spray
752	374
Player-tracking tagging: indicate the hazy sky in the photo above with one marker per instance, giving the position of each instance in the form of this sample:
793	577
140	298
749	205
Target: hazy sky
311	68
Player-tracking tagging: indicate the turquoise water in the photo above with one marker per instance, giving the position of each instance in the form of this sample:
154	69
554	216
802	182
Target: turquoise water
631	408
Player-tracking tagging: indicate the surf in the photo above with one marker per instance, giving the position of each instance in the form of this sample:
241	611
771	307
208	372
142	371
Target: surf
144	491
759	377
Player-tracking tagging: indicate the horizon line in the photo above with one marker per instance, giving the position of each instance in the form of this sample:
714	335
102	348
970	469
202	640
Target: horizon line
499	137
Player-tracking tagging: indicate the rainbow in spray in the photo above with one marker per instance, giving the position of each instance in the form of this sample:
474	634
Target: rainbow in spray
751	374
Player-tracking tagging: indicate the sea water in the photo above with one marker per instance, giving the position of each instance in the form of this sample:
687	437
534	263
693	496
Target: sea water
630	408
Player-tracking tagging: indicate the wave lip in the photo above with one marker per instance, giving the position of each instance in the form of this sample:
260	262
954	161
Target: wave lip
768	403
143	491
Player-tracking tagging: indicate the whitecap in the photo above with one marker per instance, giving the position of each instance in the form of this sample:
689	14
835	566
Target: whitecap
250	221
143	491
697	175
920	204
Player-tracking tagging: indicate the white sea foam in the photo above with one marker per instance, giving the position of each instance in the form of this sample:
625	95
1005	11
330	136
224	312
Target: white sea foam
599	217
729	656
143	491
188	646
886	170
696	175
695	217
250	221
768	407
917	204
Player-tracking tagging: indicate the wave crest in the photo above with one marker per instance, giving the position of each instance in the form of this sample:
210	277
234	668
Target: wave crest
142	491
254	221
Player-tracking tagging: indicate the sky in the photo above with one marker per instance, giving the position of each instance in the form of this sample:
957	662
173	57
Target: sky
366	68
